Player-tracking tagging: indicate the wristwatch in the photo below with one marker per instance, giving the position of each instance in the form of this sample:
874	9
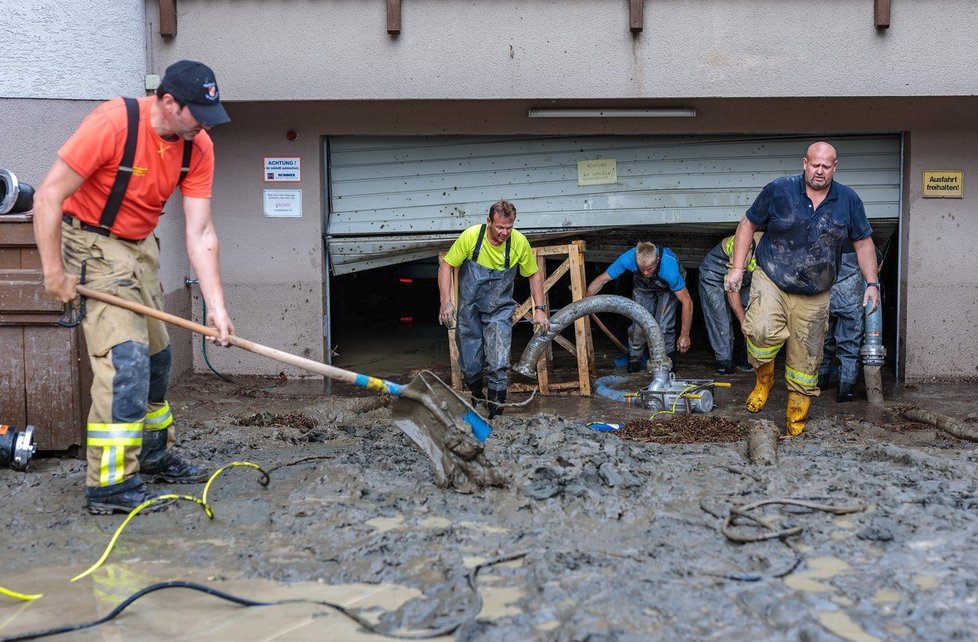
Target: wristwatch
540	307
874	284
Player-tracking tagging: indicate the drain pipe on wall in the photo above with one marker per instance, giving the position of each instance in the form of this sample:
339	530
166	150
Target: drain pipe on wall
873	353
659	364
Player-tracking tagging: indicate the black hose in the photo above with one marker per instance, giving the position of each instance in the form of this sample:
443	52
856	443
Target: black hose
473	612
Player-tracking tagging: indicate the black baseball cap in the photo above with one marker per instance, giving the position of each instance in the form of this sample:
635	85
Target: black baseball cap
193	83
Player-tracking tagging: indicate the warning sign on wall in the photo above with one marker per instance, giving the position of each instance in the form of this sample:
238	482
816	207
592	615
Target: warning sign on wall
939	183
283	170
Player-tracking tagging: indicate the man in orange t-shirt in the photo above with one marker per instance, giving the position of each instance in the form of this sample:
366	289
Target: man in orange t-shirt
82	229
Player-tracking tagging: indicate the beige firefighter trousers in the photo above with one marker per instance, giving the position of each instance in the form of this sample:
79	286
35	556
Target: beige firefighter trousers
776	318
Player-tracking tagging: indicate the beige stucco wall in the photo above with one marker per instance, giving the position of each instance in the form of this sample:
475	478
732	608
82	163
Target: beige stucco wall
479	49
941	273
273	267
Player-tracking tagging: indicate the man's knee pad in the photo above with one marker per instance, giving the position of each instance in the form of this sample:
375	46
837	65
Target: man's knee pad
130	384
159	374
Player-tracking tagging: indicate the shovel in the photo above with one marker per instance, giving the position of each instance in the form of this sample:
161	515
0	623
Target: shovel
440	422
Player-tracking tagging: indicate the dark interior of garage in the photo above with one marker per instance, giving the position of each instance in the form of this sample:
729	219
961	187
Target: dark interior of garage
384	321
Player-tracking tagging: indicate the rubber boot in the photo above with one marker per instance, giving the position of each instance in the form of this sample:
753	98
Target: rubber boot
845	392
757	399
475	387
797	412
496	398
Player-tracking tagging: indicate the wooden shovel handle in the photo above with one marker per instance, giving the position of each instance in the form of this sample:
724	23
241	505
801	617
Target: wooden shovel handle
278	355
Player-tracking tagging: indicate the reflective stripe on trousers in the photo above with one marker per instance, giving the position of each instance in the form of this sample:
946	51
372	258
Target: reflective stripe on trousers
797	321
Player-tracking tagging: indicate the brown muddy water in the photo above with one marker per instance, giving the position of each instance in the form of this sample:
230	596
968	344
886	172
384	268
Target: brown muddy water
611	537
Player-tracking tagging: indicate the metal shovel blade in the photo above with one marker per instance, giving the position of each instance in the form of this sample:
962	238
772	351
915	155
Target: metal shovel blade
441	423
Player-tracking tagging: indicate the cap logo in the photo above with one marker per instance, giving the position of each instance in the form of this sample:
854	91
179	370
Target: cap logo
211	91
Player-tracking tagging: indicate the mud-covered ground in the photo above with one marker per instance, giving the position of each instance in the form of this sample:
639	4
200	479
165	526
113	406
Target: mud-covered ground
610	538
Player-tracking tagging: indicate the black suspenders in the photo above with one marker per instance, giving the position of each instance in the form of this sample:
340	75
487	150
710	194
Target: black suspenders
124	173
478	247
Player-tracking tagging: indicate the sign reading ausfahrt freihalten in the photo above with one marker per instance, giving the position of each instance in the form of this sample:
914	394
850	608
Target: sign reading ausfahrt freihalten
942	183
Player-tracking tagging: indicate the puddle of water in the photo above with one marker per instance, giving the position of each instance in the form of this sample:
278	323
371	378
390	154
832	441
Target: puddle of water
925	581
485	528
474	560
500	601
384	524
819	568
887	596
199	617
842	625
549	625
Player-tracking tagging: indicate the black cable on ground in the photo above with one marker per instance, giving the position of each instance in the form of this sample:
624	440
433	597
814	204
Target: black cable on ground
773	533
451	628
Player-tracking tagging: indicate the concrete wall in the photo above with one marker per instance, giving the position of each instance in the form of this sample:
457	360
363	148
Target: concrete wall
476	49
273	269
941	261
76	49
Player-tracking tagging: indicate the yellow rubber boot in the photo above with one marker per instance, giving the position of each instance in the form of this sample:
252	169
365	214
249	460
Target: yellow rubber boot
757	399
797	412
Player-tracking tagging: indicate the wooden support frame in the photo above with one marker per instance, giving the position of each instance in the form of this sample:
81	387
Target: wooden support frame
582	347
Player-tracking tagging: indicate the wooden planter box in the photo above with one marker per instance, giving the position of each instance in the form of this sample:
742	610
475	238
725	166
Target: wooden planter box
44	371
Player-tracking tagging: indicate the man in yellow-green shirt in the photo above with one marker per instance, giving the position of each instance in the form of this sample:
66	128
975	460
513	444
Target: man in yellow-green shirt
488	256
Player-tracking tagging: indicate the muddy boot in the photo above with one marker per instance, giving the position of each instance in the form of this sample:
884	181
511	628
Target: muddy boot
845	392
100	502
757	399
475	387
496	399
173	470
797	412
157	464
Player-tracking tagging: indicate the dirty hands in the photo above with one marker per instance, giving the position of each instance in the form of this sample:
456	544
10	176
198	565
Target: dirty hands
218	318
541	319
683	343
62	287
446	315
734	279
872	294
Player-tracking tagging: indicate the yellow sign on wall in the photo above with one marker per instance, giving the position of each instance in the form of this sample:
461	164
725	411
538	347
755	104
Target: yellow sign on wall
598	171
941	183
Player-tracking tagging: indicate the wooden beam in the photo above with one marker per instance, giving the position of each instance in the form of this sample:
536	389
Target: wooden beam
168	17
393	17
882	14
635	9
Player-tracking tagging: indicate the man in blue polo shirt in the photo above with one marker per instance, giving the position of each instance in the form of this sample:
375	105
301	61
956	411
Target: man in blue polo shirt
807	220
659	286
